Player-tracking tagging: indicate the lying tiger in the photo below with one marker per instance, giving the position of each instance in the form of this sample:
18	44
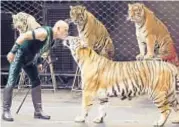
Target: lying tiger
152	34
102	77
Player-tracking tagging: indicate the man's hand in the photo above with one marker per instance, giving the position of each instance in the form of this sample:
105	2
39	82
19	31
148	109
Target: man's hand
45	55
10	57
40	68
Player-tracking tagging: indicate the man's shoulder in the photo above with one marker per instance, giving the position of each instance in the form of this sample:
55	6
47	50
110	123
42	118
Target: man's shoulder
47	27
48	30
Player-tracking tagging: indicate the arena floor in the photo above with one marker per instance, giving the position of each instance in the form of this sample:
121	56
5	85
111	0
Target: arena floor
63	106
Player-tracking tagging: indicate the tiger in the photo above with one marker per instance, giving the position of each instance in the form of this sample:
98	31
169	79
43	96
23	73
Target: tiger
24	22
152	35
92	31
102	77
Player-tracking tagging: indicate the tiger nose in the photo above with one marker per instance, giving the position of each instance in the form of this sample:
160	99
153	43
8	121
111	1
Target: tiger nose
67	42
19	27
131	16
76	20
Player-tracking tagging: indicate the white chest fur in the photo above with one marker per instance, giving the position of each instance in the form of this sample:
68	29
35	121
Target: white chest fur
141	33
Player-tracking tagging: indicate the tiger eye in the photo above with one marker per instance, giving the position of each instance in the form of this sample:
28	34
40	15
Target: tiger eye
20	19
15	19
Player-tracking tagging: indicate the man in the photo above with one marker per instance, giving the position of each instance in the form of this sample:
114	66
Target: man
32	39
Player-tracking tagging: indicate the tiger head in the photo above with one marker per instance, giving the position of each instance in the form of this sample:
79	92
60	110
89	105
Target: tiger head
76	46
78	14
73	43
24	22
136	12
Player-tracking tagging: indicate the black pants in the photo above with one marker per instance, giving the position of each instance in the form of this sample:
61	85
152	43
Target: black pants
23	60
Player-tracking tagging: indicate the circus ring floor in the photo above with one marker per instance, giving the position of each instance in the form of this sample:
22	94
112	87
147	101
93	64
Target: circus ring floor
64	105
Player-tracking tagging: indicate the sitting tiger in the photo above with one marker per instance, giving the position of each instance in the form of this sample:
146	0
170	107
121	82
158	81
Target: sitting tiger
102	77
151	34
92	31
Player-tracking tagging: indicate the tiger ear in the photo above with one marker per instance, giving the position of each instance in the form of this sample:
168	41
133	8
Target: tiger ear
84	8
141	5
13	16
129	5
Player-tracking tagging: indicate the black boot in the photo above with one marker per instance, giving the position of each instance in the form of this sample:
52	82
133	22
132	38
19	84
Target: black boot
7	101
37	102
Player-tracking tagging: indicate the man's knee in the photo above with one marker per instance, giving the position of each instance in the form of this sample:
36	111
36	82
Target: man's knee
35	82
10	85
12	79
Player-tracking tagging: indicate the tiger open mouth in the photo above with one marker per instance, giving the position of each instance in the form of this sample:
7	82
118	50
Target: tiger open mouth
128	18
76	22
136	19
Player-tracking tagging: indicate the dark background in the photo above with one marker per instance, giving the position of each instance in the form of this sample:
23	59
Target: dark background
112	14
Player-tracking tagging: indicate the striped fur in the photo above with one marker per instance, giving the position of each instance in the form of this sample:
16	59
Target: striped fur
103	77
152	34
92	31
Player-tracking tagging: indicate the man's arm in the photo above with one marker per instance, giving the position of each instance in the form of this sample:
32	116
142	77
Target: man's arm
39	34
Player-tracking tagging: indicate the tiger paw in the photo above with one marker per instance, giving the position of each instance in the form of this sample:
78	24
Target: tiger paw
98	120
80	119
140	57
162	120
158	124
148	57
85	45
158	57
175	120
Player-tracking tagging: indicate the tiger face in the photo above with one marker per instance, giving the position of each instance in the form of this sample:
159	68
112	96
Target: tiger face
77	14
20	21
73	43
136	12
